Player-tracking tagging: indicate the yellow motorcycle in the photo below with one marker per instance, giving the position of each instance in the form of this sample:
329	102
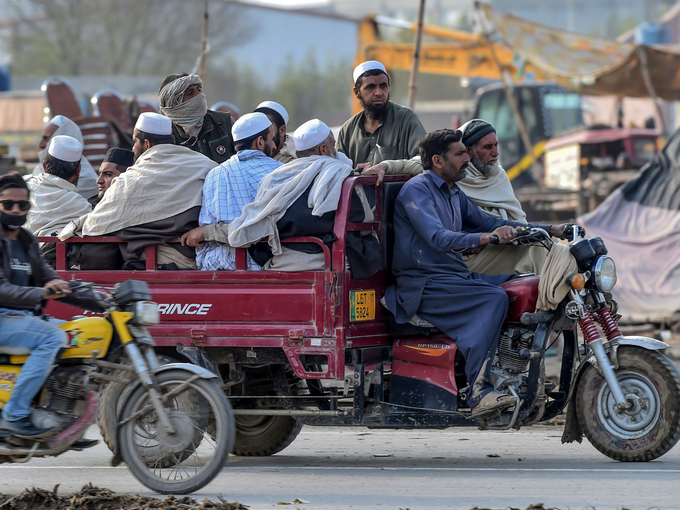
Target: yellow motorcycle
176	428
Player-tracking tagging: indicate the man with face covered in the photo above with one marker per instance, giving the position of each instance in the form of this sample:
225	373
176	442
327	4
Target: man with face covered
206	131
383	129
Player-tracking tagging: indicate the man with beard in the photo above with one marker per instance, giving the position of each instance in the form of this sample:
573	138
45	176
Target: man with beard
229	187
433	222
285	147
488	186
206	131
115	162
57	126
383	129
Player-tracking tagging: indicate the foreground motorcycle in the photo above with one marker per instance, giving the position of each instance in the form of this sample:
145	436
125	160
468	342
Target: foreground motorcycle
176	428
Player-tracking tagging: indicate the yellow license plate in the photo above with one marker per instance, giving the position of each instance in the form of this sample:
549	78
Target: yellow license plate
361	305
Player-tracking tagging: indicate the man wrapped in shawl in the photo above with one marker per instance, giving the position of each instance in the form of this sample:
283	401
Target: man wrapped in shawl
206	131
57	126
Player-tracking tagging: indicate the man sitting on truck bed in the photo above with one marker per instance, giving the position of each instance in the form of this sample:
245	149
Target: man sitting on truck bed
157	199
300	199
55	200
433	222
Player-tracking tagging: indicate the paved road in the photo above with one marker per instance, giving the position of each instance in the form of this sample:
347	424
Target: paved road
346	468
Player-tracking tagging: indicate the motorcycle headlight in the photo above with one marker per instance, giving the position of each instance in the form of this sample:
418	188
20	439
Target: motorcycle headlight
604	274
146	313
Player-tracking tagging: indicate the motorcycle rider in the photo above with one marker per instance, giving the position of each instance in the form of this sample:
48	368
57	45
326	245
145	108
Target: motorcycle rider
26	281
434	222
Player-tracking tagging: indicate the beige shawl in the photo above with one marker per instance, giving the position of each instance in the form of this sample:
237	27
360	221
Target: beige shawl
493	195
165	181
54	203
287	152
553	286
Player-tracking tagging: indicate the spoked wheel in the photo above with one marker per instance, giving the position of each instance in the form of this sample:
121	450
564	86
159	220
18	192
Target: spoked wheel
650	427
190	458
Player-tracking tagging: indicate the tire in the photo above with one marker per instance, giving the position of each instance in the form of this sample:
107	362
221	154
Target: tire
653	427
111	402
260	436
185	474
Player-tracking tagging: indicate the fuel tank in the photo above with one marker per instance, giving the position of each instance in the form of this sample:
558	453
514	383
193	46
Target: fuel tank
522	294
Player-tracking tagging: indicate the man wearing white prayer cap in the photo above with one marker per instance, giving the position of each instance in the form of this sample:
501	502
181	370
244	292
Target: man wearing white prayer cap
155	201
383	129
300	199
60	125
285	147
181	99
55	200
229	187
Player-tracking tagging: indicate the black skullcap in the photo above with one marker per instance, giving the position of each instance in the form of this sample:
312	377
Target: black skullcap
118	156
475	131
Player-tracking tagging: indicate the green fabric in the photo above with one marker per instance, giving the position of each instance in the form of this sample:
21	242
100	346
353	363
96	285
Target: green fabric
396	138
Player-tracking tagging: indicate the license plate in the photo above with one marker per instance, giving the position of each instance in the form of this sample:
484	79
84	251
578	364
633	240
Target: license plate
362	305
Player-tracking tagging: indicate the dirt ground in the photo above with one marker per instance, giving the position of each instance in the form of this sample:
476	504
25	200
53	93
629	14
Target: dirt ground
94	498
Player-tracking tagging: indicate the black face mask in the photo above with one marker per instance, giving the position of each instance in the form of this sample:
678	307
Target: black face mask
11	221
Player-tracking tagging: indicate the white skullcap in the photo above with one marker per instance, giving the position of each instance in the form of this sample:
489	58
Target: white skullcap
367	66
57	120
65	148
277	108
310	134
154	124
249	125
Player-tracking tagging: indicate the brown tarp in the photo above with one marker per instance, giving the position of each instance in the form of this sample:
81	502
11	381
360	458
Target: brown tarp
589	65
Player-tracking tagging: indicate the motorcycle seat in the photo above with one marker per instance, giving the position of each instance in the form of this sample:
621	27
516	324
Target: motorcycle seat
416	326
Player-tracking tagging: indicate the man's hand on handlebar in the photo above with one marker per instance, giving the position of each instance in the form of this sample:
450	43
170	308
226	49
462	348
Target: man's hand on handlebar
193	238
566	231
56	289
502	235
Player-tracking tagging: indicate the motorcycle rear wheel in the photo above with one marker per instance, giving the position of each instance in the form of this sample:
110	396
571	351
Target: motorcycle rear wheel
652	427
175	472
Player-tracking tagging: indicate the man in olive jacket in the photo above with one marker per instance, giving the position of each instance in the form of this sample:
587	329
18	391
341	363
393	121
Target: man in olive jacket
25	283
206	131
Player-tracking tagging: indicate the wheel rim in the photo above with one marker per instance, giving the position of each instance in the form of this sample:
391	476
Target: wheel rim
180	459
253	425
645	408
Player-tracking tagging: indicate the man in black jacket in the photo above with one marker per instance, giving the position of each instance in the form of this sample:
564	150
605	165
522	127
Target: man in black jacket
25	283
206	131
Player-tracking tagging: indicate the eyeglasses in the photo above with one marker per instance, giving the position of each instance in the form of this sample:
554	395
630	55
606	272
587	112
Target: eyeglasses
8	205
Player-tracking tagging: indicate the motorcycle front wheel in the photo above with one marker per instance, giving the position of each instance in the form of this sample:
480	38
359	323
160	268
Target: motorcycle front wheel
651	425
191	457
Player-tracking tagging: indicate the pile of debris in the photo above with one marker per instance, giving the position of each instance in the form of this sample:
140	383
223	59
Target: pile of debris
94	498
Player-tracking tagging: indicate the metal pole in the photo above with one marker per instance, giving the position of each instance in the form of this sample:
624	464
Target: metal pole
416	57
646	77
515	110
204	48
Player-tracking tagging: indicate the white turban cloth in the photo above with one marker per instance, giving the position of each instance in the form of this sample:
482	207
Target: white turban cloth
188	115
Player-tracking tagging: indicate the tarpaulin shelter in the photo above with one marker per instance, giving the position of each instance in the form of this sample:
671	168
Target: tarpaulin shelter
640	224
590	65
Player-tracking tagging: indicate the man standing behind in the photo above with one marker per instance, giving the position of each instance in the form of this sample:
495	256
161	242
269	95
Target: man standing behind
232	185
285	147
115	162
206	131
54	197
383	130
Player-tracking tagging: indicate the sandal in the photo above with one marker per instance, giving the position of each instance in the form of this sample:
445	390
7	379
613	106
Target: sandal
493	401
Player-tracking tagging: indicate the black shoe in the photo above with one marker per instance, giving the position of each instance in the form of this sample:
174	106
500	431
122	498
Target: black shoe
24	429
84	443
